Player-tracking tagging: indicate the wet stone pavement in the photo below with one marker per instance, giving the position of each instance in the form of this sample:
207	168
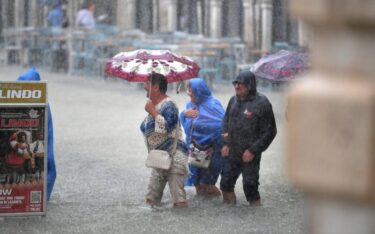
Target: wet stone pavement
102	180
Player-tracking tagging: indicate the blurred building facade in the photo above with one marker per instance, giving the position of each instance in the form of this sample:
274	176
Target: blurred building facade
331	116
258	23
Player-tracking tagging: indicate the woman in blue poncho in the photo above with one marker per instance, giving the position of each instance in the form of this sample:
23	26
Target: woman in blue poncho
202	122
33	75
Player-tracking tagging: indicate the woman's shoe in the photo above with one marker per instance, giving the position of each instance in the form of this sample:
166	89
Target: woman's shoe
181	205
200	189
152	202
255	203
213	191
229	198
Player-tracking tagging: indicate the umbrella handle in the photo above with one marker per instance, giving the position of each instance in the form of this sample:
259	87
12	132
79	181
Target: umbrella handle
178	87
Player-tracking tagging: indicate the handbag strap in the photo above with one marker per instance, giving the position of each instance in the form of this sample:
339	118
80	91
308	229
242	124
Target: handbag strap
191	134
191	130
174	148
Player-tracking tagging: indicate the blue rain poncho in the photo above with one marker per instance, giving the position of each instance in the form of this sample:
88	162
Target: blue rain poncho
206	131
55	17
33	75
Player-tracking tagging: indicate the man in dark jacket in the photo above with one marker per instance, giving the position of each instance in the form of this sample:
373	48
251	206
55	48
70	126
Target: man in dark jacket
249	128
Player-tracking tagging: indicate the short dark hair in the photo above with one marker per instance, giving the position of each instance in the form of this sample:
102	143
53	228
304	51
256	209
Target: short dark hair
87	3
20	135
160	80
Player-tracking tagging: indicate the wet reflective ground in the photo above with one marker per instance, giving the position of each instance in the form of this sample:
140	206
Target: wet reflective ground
102	180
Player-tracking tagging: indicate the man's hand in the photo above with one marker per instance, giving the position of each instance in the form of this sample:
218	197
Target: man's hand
150	108
225	151
191	113
225	137
247	156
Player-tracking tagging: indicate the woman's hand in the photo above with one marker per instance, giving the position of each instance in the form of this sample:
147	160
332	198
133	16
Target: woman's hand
151	109
191	113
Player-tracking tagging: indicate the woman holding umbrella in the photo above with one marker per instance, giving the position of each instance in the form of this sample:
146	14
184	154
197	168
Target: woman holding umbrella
157	68
202	123
159	129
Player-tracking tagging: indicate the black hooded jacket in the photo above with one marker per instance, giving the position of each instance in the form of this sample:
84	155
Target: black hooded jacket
250	123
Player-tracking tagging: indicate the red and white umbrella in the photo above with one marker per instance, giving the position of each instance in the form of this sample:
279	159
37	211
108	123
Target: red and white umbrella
137	65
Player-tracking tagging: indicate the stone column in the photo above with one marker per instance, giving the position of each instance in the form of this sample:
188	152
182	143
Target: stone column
207	17
33	11
155	15
145	15
18	7
193	17
257	24
72	9
248	17
172	14
44	15
126	10
331	135
199	17
280	21
215	18
184	17
232	27
163	16
4	18
167	15
304	34
266	11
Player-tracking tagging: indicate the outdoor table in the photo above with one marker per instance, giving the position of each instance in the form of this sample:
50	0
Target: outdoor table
59	52
33	46
105	48
77	45
12	45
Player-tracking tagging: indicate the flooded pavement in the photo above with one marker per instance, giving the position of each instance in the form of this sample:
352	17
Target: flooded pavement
102	180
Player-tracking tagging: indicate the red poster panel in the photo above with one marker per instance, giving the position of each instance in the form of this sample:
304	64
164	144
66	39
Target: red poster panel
23	155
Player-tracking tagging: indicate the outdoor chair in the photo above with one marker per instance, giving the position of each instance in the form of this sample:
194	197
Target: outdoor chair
209	60
12	45
226	69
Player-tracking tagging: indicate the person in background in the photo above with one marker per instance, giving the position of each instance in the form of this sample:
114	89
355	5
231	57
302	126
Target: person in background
65	23
37	151
202	123
159	129
249	127
33	75
85	16
55	17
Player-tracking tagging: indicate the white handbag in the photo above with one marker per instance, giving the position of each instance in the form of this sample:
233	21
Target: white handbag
199	156
161	159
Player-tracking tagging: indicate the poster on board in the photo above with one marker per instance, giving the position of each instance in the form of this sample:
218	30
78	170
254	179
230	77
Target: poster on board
23	148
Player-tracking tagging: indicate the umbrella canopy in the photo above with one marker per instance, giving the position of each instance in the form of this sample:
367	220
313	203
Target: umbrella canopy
281	66
137	65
